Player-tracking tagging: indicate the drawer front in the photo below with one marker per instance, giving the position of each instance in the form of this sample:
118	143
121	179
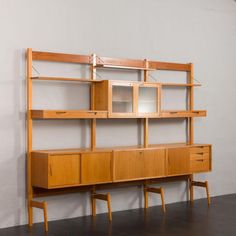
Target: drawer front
200	162
200	150
64	170
95	167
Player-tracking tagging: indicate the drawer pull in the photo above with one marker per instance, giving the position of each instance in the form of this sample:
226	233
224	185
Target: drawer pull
196	112
201	160
60	112
173	112
200	153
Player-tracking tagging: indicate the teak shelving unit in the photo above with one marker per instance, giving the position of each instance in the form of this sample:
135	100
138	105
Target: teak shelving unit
61	171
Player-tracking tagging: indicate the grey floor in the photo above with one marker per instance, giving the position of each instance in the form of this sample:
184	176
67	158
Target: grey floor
180	219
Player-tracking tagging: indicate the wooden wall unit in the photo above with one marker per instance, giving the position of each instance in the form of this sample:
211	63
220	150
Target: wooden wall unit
52	171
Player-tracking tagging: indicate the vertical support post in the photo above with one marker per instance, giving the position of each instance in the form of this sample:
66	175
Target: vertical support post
191	189
145	130
191	104
29	134
92	103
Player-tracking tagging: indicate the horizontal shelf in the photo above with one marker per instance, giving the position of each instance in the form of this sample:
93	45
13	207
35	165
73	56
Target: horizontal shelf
183	114
122	67
180	85
67	114
110	149
65	79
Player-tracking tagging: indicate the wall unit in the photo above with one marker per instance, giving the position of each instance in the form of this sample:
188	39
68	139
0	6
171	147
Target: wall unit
61	171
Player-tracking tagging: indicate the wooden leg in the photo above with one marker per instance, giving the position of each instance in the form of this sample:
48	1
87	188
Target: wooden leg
145	197
40	205
104	197
155	190
163	200
208	194
45	216
109	206
204	185
93	203
191	189
30	214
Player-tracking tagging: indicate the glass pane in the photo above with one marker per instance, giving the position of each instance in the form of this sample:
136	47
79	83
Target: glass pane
122	99
147	100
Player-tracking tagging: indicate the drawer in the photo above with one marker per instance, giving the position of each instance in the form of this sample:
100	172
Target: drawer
200	150
200	162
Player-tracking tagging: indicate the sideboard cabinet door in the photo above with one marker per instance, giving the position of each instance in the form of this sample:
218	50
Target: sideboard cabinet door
154	163
178	161
128	165
64	170
96	167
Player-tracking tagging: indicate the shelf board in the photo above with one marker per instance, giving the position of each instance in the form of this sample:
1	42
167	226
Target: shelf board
182	114
180	85
65	79
122	67
68	114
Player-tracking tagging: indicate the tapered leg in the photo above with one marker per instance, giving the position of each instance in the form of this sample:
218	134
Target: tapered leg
208	194
163	200
109	206
45	216
191	189
30	214
145	197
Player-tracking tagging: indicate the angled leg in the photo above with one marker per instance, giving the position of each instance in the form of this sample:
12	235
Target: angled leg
154	190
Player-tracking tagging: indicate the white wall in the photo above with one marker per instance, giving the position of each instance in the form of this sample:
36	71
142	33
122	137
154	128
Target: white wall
203	32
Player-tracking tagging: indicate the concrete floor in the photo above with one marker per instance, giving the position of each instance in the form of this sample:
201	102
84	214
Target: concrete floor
180	219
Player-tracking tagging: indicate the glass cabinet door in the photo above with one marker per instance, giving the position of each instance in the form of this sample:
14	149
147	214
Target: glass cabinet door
122	99
147	100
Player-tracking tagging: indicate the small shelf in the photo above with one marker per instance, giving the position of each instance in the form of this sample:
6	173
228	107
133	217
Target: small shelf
65	79
67	114
182	114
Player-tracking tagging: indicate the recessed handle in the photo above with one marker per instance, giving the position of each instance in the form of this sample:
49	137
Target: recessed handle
201	160
173	112
60	112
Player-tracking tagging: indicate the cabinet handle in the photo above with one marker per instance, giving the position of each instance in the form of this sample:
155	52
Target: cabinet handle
60	112
173	112
201	160
200	153
196	112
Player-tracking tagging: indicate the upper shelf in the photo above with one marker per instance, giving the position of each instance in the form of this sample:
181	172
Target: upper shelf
65	79
89	114
122	67
96	81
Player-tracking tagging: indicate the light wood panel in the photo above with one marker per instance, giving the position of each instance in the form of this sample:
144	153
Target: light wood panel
128	165
176	114
96	167
68	114
64	170
168	66
178	161
101	96
61	57
154	163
